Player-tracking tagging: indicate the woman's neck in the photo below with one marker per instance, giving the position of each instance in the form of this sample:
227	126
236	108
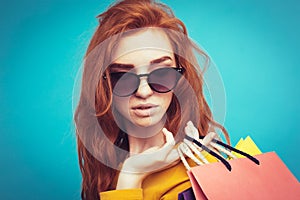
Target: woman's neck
143	138
139	145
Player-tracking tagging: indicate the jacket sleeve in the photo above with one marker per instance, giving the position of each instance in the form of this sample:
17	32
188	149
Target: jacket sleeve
126	194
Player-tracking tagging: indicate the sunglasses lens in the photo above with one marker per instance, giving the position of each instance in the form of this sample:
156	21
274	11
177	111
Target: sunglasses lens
163	80
124	84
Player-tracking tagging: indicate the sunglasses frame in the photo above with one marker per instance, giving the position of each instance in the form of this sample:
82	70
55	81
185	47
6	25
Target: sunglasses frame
180	70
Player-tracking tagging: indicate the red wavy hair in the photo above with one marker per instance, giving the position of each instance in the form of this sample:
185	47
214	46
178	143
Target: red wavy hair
96	94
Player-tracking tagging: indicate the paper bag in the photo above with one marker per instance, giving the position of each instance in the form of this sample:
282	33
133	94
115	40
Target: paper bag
269	180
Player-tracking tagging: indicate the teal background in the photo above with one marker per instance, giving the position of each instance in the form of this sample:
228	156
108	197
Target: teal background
255	45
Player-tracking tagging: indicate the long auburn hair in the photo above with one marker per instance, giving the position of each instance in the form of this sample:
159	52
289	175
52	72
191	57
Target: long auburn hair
95	103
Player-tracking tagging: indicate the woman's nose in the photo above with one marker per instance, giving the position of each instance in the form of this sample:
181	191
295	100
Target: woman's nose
144	89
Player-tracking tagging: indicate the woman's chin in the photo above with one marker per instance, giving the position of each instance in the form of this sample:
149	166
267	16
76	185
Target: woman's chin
145	122
149	121
145	128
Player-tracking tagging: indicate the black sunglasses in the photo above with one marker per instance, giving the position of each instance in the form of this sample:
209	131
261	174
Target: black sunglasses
161	80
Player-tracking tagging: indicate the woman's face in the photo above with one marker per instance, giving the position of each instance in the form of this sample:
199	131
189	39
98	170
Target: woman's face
142	53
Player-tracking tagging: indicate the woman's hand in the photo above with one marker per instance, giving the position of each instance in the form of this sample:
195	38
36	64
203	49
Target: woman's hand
137	167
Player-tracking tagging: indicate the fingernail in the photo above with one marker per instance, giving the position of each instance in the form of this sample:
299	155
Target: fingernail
190	123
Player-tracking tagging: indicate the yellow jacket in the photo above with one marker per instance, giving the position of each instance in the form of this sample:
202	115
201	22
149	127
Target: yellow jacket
168	183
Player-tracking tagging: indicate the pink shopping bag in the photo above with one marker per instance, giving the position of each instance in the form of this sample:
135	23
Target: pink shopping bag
271	179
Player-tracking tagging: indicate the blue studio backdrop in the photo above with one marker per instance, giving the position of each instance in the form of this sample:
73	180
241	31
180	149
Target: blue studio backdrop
254	44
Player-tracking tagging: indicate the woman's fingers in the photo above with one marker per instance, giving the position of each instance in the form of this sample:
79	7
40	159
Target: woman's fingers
208	138
191	130
167	154
169	136
170	142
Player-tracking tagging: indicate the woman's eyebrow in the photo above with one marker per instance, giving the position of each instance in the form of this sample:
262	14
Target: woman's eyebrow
131	66
120	66
160	60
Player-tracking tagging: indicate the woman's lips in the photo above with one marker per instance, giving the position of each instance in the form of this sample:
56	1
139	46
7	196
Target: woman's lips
144	110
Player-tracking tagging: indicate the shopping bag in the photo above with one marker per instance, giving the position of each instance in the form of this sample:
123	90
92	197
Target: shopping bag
271	179
263	176
187	194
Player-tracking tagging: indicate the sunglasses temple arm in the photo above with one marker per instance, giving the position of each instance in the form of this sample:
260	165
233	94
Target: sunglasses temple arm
235	150
205	148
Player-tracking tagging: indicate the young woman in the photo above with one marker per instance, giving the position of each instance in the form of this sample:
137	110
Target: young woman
141	84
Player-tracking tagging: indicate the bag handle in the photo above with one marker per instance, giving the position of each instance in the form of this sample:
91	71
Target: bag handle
234	149
205	148
193	139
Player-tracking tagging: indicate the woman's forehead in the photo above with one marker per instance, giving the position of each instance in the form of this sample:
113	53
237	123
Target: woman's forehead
153	42
146	57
